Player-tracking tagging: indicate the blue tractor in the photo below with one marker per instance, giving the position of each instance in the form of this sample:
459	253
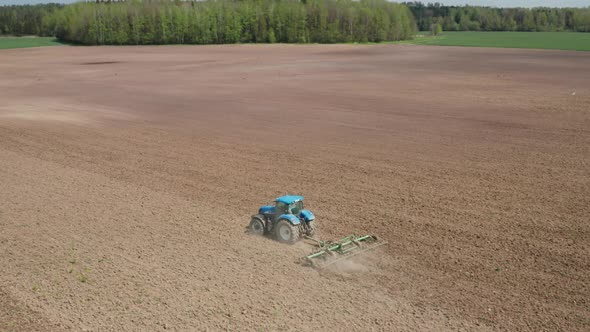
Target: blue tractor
287	220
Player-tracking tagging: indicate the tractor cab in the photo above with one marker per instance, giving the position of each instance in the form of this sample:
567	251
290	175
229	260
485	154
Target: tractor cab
293	206
289	205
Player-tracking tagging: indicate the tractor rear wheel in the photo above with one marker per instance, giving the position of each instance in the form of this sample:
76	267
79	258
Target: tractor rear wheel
311	228
256	226
286	232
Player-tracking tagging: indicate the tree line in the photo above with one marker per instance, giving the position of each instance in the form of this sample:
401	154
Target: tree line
26	20
231	21
142	22
473	18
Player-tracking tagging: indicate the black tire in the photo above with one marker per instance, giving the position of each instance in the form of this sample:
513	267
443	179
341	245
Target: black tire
256	227
311	228
285	232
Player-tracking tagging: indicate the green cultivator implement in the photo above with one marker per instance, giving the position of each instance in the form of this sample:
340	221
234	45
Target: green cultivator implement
329	252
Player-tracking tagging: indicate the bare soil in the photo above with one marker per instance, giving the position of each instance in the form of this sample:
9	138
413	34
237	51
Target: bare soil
128	175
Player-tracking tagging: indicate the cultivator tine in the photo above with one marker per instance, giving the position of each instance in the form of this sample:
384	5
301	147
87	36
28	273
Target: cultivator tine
329	252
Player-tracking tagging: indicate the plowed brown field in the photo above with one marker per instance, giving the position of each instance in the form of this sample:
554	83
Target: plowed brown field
128	175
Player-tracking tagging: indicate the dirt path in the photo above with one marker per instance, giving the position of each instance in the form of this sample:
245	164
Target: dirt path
127	176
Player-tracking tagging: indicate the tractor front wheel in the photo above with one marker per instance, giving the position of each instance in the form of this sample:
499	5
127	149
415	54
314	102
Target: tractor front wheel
256	227
286	233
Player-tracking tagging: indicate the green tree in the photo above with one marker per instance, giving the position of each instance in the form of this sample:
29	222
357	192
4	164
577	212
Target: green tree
528	23
436	29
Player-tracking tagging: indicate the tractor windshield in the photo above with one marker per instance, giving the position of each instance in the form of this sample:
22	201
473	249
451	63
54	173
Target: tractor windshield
282	208
293	208
296	207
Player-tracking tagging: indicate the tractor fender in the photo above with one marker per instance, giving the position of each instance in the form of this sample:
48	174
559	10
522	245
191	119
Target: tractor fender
307	215
262	220
290	218
260	217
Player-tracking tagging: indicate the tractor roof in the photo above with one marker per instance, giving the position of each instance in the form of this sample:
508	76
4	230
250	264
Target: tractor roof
289	199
